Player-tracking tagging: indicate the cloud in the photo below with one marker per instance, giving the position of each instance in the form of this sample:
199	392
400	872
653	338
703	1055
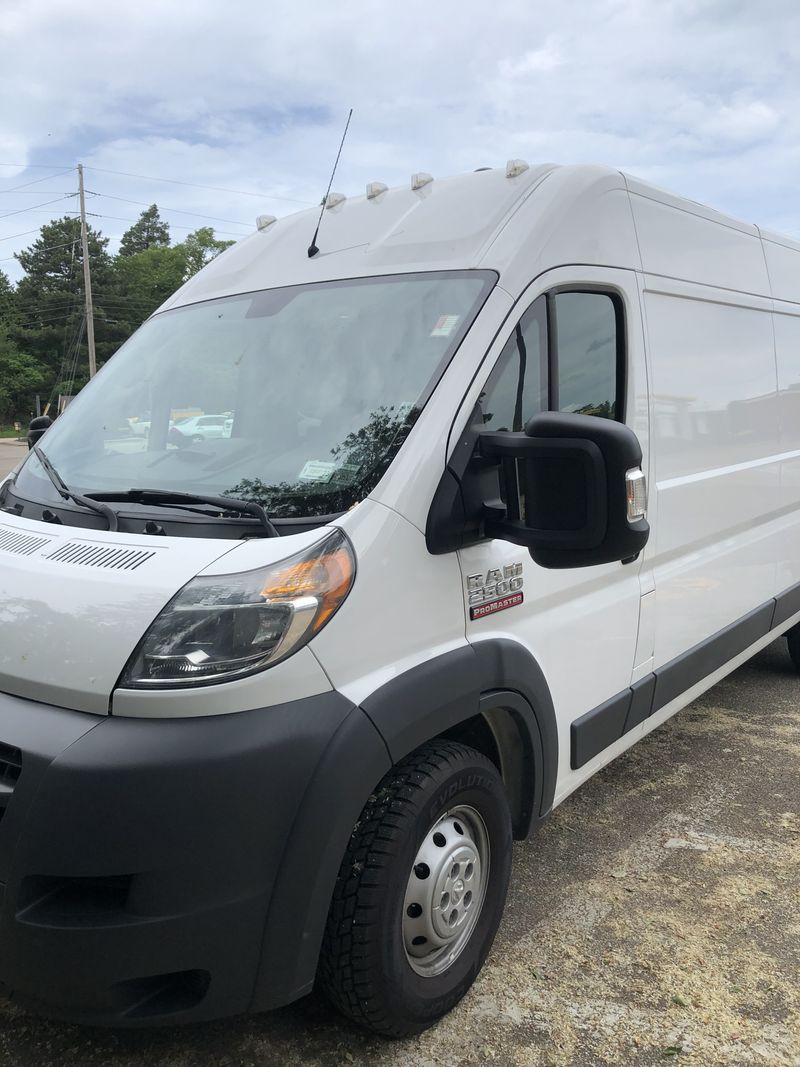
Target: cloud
700	96
546	58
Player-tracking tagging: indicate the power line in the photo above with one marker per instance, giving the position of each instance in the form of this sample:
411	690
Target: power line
36	181
175	210
32	307
40	166
49	248
175	225
194	185
12	236
58	311
118	218
29	192
35	207
74	296
45	322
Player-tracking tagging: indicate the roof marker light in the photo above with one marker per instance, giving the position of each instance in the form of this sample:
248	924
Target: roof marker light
515	167
263	222
421	179
334	199
375	189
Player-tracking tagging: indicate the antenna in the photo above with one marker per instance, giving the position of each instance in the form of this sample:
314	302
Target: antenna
312	248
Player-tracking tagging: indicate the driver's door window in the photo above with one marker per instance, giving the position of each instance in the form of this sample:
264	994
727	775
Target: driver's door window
565	354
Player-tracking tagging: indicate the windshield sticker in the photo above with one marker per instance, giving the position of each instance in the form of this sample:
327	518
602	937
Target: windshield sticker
445	325
346	474
316	470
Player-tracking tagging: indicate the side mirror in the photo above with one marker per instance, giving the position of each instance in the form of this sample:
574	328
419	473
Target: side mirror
575	494
37	428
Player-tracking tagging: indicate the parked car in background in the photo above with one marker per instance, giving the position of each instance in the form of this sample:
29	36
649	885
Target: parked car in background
203	427
140	427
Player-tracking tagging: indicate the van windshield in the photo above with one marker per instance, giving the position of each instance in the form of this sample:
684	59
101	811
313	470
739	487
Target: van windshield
296	398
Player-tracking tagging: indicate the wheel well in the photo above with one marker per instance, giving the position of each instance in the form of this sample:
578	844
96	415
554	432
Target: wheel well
496	732
477	733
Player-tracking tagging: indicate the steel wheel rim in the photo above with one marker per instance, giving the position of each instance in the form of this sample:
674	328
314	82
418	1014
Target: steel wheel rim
446	890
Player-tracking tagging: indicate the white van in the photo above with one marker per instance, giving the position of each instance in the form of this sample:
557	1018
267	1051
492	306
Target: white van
274	704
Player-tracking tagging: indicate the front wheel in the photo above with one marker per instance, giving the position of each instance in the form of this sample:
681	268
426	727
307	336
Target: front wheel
420	892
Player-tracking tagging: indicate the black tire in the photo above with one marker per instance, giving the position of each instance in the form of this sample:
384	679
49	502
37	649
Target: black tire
793	641
365	970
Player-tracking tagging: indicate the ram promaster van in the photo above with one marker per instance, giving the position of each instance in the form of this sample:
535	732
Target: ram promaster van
512	473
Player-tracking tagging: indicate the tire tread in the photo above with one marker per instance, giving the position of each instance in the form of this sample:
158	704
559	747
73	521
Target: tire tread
388	816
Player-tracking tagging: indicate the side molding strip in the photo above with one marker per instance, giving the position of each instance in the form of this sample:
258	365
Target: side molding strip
693	666
603	725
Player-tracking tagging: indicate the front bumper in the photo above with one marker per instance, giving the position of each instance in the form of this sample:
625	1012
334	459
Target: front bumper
174	870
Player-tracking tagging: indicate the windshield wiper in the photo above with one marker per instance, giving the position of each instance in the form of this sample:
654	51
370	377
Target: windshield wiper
66	493
168	498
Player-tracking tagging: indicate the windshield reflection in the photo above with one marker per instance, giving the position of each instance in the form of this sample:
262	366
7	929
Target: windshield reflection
297	399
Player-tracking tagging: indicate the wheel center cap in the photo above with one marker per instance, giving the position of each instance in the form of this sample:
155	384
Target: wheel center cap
458	890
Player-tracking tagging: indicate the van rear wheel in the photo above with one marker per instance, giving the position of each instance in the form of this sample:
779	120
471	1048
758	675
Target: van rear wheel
420	891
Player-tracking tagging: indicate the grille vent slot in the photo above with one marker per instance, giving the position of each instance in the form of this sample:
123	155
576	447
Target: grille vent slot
94	555
10	770
21	544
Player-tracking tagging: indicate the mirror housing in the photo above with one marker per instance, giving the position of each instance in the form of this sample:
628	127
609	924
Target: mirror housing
574	490
37	428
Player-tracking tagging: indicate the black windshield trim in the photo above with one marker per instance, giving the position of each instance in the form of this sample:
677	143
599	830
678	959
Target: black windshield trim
172	498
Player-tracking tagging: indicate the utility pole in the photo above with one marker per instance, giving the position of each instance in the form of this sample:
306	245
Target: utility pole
87	278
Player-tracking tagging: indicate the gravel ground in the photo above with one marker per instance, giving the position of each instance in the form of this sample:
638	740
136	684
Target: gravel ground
653	919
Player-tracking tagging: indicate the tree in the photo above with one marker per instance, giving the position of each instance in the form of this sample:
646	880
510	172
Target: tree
50	299
20	379
7	301
146	279
200	248
149	231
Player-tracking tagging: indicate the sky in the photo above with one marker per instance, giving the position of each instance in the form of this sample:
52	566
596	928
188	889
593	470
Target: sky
237	108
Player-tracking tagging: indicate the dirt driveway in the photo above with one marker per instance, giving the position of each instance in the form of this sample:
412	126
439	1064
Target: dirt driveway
654	919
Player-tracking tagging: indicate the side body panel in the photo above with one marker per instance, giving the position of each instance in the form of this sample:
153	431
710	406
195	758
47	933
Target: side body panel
783	263
717	465
716	426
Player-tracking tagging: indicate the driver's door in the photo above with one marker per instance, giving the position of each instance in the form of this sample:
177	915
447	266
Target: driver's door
577	346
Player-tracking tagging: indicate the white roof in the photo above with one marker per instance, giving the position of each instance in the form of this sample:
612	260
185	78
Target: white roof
520	226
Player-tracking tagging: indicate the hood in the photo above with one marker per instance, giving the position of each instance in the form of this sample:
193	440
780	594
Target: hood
74	604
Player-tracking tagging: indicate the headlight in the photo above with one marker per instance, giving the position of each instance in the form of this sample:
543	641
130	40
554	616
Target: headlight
223	627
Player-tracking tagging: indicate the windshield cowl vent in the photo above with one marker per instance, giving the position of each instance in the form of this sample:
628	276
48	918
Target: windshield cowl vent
93	555
21	544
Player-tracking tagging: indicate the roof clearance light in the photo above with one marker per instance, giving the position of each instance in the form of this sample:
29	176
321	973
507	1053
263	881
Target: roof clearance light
263	222
375	189
334	199
515	167
421	179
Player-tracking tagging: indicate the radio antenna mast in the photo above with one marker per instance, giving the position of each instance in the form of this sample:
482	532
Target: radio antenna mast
312	248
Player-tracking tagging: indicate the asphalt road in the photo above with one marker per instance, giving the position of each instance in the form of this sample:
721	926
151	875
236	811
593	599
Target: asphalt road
11	452
655	918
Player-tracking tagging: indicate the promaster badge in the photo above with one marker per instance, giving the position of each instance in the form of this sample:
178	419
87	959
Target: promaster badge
494	591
